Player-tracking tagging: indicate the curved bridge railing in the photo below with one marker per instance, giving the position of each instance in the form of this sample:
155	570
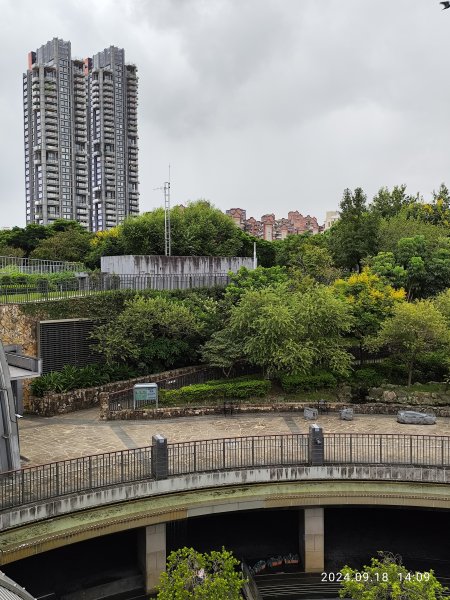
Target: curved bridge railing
62	478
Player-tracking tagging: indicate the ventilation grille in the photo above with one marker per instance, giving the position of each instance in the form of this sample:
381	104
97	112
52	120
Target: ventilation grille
66	342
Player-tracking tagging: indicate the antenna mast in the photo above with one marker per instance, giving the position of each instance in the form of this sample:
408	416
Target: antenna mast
167	234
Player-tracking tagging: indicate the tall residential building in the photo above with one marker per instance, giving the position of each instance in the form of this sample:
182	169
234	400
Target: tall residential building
80	126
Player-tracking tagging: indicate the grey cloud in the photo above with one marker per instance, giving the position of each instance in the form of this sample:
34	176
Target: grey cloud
272	105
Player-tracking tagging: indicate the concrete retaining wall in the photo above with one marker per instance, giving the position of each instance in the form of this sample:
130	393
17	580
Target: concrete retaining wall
167	265
39	511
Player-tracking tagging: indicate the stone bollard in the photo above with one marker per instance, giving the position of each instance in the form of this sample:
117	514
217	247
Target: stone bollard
160	457
103	400
316	445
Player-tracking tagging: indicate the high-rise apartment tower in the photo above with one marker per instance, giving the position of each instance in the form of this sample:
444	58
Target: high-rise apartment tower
80	123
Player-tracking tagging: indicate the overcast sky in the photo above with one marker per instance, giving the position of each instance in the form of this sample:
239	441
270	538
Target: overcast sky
268	105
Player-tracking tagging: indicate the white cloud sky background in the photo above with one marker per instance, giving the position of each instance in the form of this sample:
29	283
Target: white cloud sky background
270	105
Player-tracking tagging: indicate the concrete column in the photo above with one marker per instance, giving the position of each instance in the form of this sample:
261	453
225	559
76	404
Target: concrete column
314	540
153	555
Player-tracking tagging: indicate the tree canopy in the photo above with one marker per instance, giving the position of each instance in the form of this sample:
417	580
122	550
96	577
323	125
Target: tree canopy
285	331
191	575
387	578
151	334
413	328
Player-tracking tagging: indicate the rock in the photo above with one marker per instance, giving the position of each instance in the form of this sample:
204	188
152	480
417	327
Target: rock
389	396
412	417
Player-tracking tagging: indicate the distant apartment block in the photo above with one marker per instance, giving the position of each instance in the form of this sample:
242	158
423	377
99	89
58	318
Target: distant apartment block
269	228
330	218
80	133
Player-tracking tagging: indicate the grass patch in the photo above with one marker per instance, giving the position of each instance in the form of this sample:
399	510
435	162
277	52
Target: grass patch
423	387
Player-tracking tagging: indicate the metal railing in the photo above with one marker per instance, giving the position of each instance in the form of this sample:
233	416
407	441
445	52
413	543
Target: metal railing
250	589
35	265
391	449
123	399
86	285
43	482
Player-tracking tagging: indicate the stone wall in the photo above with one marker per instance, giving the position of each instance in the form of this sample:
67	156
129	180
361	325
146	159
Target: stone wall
57	404
17	328
397	395
218	409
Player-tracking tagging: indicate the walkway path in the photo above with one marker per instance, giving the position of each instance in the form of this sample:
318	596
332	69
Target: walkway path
44	440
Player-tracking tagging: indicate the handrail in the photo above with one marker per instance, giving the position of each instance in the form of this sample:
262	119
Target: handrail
250	588
77	475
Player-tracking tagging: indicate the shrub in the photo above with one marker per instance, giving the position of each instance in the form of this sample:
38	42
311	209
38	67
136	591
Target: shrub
42	285
368	377
217	391
72	378
297	383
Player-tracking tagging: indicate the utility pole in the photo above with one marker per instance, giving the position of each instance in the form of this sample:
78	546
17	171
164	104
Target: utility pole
167	233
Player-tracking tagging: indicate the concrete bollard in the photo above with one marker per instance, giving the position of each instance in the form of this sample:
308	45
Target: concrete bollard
160	457
316	445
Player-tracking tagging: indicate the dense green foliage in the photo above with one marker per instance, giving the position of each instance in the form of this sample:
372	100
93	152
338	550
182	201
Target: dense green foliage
286	331
152	334
380	279
413	329
386	578
297	383
191	575
73	378
233	389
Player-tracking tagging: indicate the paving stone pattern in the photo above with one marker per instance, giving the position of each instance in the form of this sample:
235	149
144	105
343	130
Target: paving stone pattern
44	440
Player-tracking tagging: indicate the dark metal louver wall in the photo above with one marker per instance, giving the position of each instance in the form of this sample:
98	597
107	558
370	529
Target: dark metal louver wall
66	342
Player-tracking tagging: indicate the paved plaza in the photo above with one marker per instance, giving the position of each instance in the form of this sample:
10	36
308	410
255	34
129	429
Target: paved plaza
44	440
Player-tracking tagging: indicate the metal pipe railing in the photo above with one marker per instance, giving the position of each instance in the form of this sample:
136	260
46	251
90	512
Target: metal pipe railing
61	478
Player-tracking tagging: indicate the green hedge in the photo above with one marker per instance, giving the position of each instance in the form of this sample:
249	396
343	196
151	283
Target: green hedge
306	383
217	391
16	278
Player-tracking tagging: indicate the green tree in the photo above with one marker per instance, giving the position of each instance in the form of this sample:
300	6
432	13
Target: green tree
255	279
436	212
105	243
403	225
191	575
223	351
413	329
370	301
198	229
290	332
151	334
384	265
386	578
11	251
70	244
355	235
388	204
420	265
27	238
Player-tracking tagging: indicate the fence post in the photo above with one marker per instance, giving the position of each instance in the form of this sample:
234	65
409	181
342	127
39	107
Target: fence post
316	445
160	457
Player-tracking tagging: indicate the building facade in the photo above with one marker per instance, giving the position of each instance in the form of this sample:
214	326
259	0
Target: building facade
269	228
80	134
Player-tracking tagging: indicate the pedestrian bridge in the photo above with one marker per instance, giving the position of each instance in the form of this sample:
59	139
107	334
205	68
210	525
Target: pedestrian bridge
48	506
